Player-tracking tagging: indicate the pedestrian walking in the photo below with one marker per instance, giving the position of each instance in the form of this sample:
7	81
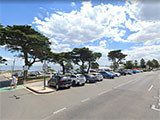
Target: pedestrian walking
14	80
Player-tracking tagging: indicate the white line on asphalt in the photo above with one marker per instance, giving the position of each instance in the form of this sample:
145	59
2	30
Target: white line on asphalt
59	110
85	100
122	84
150	88
101	93
153	107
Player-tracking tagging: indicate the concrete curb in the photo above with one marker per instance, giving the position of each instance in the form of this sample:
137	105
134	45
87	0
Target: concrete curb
40	91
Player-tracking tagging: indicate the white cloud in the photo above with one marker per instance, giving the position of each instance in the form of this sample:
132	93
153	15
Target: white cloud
73	4
59	47
148	34
87	25
147	52
92	23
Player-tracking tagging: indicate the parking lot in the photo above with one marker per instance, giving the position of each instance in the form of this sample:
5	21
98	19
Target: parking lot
125	97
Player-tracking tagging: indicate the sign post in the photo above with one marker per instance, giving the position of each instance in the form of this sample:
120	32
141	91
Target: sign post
45	67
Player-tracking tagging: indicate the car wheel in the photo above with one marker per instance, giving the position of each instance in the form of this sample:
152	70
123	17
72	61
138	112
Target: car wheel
68	87
57	87
83	84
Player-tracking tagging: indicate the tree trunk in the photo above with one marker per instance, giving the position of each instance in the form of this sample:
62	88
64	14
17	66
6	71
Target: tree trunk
82	69
26	64
63	68
89	66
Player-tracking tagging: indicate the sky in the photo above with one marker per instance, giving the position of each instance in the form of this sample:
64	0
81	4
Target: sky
101	25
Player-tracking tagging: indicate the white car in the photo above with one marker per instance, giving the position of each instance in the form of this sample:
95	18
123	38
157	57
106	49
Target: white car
117	74
78	79
98	76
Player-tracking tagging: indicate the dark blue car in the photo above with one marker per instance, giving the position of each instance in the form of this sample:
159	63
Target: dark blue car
107	75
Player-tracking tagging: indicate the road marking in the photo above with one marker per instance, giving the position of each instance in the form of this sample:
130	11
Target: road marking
85	100
150	88
123	84
153	107
60	110
101	93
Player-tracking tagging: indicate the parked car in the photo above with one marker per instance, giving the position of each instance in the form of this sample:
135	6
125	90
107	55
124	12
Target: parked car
122	72
129	72
106	74
90	78
116	74
78	79
98	76
34	73
134	71
59	81
92	70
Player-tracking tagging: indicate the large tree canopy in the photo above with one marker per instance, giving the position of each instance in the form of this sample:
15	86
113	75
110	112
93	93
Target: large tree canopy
129	65
28	43
116	56
63	58
142	63
82	55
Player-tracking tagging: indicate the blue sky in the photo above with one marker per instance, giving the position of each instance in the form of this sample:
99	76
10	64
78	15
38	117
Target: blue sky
98	25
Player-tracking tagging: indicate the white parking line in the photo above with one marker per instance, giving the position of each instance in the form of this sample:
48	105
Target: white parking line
85	100
59	110
150	88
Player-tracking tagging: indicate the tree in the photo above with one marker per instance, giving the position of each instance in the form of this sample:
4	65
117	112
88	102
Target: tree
92	59
94	65
80	56
136	64
2	60
1	35
142	63
68	66
150	64
63	58
30	45
156	63
129	65
116	57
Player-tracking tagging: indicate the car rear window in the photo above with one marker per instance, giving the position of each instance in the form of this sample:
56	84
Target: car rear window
65	77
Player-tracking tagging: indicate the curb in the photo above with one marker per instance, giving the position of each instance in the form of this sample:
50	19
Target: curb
47	92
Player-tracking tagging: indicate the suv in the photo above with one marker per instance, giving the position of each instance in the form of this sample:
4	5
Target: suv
60	82
78	79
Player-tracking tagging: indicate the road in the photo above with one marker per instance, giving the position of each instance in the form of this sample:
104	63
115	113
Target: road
132	97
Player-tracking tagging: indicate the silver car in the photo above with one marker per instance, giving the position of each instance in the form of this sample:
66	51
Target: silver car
98	76
78	79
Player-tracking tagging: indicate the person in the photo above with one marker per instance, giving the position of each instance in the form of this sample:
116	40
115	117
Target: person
14	80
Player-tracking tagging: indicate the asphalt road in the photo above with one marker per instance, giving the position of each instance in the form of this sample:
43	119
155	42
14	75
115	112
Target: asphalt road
132	97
